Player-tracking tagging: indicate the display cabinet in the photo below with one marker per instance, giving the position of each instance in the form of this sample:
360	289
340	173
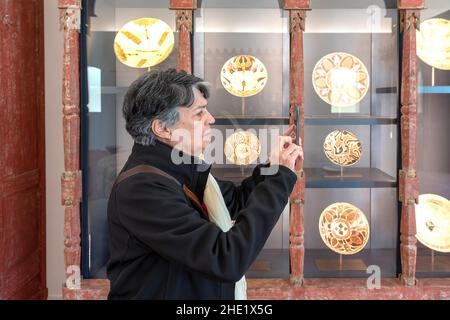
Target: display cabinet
231	57
105	144
433	155
346	73
371	117
351	140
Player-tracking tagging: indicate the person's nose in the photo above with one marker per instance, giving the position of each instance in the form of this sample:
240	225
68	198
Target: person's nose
210	118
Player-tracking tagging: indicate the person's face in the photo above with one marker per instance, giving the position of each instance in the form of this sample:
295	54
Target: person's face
192	133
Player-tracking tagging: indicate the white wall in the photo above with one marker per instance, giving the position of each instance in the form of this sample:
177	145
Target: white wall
54	149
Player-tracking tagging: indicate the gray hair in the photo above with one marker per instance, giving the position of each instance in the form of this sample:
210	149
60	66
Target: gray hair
158	95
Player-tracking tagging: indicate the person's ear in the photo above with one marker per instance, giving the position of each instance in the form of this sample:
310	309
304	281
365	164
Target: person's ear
160	130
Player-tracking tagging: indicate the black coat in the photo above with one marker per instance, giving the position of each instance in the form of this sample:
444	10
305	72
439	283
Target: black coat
163	247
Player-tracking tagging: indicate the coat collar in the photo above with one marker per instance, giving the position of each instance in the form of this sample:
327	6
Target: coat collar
188	170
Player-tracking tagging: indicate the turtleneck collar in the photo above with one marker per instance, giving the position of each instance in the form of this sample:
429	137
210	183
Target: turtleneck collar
188	170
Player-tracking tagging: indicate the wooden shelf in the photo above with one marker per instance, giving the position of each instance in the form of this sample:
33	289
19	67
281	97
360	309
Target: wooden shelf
352	178
321	178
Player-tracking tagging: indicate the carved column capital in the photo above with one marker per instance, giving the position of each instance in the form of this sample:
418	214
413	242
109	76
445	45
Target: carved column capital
409	18
70	14
297	20
184	19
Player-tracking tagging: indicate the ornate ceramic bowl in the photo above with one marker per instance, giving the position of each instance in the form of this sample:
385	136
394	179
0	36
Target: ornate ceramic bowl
242	148
144	43
344	228
433	222
244	76
342	148
340	79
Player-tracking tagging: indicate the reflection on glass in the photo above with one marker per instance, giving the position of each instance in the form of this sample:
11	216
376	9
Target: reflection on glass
95	89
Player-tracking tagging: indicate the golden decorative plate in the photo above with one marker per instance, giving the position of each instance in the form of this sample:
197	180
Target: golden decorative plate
244	76
433	222
344	228
144	43
242	148
342	148
340	79
433	43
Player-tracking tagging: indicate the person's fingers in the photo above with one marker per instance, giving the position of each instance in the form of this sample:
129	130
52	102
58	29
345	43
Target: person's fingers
296	154
288	153
294	157
283	140
290	131
300	149
290	149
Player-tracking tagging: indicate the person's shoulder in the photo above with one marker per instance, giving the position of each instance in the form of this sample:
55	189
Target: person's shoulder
147	190
148	180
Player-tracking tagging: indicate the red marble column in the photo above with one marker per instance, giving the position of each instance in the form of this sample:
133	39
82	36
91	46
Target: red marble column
70	11
408	181
297	13
184	12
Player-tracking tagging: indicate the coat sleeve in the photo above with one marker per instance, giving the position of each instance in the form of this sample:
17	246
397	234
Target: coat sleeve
156	212
236	196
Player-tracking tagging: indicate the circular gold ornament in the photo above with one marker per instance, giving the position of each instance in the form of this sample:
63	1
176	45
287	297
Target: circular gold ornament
433	43
244	76
340	79
242	148
433	222
344	228
342	148
144	43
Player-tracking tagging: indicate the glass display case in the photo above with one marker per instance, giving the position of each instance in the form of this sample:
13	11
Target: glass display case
105	143
351	139
352	58
216	40
366	32
433	155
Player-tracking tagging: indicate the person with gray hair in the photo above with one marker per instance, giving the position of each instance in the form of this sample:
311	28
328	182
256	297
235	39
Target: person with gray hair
171	232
